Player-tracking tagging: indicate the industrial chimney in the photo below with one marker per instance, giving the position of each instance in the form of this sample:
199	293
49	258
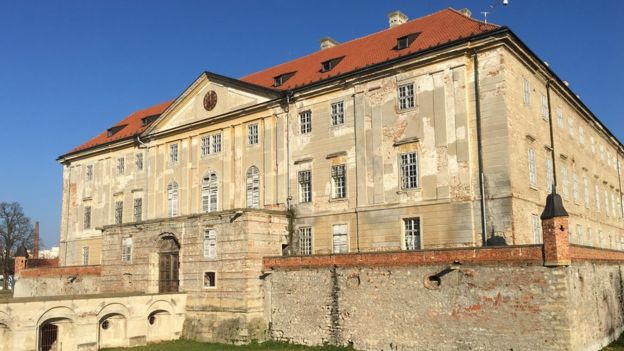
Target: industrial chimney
396	18
36	241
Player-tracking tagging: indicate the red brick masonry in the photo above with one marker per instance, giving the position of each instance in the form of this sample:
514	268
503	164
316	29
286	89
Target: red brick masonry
527	254
42	262
61	271
585	253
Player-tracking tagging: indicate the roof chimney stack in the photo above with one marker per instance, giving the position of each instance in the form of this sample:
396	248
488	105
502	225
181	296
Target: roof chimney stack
327	43
466	12
396	18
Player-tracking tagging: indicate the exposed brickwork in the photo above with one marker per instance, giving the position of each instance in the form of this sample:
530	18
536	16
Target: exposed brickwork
556	245
530	254
585	253
60	271
42	262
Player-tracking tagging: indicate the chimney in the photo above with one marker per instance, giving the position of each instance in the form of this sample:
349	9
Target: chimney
396	18
36	241
466	12
327	43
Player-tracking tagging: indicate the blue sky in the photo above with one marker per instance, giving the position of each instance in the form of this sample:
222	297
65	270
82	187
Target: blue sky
70	69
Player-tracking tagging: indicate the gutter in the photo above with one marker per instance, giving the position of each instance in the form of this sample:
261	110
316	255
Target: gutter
480	148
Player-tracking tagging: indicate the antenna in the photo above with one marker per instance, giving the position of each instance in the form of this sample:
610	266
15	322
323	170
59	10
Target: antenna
492	7
485	13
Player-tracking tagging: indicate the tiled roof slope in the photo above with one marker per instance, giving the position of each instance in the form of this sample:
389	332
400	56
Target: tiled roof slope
435	29
132	127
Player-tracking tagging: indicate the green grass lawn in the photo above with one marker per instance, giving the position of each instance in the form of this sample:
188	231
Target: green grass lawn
617	345
188	345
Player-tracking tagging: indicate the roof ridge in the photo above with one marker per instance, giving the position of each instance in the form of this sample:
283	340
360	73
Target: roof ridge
472	19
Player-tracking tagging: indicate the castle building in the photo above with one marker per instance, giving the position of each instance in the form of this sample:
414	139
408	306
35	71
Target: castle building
439	132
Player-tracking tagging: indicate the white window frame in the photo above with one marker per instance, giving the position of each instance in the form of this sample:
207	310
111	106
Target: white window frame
305	122
205	145
138	161
121	165
575	186
581	133
532	167
173	191
536	223
339	181
253	134
214	286
126	249
406	96
559	118
343	236
571	126
119	212
526	89
137	209
85	255
210	244
305	240
174	154
586	191
252	187
550	177
412	233
210	192
216	140
589	237
304	178
544	107
337	113
89	173
410	175
597	196
565	182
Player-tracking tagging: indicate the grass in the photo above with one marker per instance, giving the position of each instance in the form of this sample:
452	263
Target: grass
617	345
188	345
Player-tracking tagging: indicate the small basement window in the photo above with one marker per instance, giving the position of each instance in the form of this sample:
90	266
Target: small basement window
282	78
210	279
406	41
330	64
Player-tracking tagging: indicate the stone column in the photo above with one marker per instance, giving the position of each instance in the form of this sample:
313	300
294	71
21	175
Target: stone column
555	232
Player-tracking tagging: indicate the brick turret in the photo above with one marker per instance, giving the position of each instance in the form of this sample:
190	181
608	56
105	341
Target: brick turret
555	232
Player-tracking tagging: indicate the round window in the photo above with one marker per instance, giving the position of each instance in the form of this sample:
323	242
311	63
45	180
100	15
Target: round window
105	324
151	319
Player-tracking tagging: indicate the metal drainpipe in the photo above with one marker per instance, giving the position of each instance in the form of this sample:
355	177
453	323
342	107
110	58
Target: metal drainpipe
145	169
288	196
552	138
68	206
479	148
357	180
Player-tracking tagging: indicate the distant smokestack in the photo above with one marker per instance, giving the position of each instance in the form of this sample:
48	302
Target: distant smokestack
36	241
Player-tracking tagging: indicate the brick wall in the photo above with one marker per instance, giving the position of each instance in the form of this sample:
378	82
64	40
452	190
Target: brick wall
58	281
42	262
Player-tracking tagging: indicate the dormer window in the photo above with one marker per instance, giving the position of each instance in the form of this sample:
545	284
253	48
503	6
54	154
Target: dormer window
147	120
406	41
282	78
330	64
113	130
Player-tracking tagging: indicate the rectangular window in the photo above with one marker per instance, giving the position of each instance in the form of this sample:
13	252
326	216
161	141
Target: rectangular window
305	122
581	132
564	182
305	240
575	187
606	197
549	174
252	134
597	195
339	181
339	236
409	171
526	91
579	234
593	144
411	227
544	107
126	250
600	238
85	256
532	168
89	173
337	113
305	186
87	217
210	280
406	96
121	165
216	143
205	145
613	204
138	209
138	162
118	212
586	191
602	152
559	118
537	228
589	237
571	126
210	244
173	154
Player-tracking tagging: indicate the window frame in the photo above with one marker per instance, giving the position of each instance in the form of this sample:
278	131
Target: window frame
406	99
337	115
304	179
335	177
209	192
121	166
87	218
173	198
137	209
214	280
407	180
404	233
209	244
127	250
305	122
532	165
253	192
526	91
138	161
85	256
334	235
253	134
118	212
306	246
89	173
174	154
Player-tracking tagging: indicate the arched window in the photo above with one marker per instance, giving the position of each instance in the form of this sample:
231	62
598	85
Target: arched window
210	192
172	198
253	187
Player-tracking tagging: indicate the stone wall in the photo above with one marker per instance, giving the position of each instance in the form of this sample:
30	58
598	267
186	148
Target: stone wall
57	281
477	299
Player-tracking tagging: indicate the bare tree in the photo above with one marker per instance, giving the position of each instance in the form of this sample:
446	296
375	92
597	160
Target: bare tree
15	231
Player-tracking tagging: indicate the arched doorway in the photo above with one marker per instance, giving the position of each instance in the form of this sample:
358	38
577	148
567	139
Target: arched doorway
48	337
168	264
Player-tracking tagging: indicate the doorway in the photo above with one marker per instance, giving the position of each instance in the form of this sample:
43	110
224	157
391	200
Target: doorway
48	337
168	265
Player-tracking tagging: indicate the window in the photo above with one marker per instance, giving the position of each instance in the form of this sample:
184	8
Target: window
537	228
597	195
593	144
613	204
282	78
210	279
586	191
602	152
579	234
600	238
526	91
210	192
253	187
252	134
87	217
121	165
305	240
328	65
581	133
549	174
412	233
305	186
126	250
405	41
606	197
211	144
205	145
210	244
406	96
339	236
305	122
571	126
89	173
85	256
532	168
118	212
138	162
544	107
564	182
173	154
216	143
339	181
589	237
172	199
575	186
337	113
409	171
138	209
147	120
559	118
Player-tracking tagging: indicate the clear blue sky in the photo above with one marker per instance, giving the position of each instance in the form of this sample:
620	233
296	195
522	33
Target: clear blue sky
70	69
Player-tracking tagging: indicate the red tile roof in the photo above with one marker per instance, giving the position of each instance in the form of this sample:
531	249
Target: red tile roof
435	29
132	127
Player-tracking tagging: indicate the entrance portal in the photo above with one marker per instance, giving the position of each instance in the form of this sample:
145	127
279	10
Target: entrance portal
168	265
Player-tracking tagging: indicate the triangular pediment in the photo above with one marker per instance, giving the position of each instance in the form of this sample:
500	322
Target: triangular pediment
209	96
